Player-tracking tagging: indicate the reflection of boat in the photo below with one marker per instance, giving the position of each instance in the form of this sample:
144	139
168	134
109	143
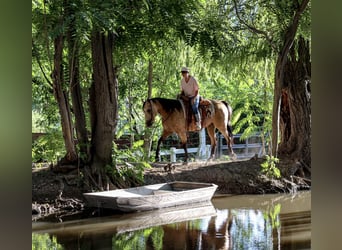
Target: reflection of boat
167	216
151	197
121	223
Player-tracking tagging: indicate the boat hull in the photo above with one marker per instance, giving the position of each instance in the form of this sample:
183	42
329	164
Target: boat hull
152	197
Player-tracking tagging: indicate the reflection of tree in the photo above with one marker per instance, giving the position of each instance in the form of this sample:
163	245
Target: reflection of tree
157	238
45	241
182	235
272	215
220	238
194	235
140	239
242	232
250	230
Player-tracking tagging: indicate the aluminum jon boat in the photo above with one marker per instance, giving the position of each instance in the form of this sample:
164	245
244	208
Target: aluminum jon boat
152	197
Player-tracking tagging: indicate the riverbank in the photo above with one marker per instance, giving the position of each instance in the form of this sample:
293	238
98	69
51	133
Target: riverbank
54	193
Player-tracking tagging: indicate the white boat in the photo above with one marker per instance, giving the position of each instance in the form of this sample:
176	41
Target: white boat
151	197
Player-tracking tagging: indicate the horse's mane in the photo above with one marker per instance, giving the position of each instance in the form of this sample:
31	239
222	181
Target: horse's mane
169	105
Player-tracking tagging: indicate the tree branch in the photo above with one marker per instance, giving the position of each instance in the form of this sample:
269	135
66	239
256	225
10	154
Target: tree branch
41	67
253	28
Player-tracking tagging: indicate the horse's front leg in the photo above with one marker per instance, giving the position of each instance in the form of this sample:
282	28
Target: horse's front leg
158	149
161	139
185	151
183	137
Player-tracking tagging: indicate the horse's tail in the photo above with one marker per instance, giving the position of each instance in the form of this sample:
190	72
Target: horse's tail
229	125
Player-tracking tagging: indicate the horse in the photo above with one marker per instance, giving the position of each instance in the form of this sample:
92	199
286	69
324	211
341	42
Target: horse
215	114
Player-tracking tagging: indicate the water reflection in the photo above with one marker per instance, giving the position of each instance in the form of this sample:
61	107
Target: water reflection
239	222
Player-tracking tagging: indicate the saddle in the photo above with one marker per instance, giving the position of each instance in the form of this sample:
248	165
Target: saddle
205	107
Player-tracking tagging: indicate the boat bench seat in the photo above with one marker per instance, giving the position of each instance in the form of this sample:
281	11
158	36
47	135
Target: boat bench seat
162	191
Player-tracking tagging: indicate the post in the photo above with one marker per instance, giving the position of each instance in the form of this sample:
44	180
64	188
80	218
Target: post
208	150
246	149
202	148
173	154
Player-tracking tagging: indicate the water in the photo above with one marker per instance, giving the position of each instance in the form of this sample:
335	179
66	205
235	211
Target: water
273	221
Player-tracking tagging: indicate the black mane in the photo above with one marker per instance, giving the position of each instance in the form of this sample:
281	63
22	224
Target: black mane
169	105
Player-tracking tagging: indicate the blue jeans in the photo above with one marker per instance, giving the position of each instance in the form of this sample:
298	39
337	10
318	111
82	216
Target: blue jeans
195	104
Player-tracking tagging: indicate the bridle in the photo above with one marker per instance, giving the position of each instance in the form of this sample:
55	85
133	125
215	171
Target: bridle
150	111
153	115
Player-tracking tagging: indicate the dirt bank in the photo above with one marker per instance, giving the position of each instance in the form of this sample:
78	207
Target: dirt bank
240	177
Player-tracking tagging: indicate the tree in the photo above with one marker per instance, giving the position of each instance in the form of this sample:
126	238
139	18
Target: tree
295	109
292	97
62	100
74	79
103	103
276	35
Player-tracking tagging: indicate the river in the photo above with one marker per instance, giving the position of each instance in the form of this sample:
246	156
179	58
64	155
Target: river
271	221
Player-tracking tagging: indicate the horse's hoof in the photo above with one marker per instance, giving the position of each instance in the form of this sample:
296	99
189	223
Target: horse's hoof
169	167
234	157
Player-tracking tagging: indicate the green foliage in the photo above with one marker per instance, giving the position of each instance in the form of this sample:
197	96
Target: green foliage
129	164
48	147
44	241
269	167
137	239
274	215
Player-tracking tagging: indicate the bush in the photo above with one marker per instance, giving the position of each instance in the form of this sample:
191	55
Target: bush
269	167
48	147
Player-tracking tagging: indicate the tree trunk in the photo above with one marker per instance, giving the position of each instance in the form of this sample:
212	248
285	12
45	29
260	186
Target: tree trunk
279	73
63	105
74	84
295	109
103	105
147	134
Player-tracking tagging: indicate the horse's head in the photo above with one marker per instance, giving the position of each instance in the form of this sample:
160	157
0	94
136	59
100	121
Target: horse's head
150	112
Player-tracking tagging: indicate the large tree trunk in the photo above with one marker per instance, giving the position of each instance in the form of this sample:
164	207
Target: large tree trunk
62	100
279	73
103	105
295	109
74	84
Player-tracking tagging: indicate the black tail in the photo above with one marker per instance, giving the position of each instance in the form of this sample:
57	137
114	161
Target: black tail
229	126
230	131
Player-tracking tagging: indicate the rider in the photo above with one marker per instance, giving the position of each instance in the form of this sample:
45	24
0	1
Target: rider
190	89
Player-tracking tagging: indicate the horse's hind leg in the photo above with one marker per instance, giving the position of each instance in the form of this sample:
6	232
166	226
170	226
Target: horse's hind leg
211	133
229	138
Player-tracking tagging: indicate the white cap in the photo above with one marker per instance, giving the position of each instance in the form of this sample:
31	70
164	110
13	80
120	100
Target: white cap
185	69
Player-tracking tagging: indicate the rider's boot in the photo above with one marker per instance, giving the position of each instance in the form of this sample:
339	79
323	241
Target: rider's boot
198	122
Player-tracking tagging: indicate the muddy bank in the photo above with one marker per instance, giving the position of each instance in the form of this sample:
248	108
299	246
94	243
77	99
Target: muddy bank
242	177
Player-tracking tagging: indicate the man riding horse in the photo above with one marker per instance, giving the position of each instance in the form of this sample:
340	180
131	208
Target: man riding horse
177	118
190	90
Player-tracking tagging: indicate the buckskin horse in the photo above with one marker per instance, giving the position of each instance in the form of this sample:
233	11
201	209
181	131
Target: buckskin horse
175	119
